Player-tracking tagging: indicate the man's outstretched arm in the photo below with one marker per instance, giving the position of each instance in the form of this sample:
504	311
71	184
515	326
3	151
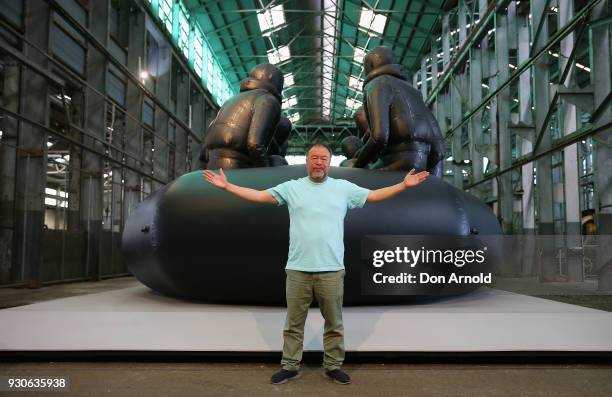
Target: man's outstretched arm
220	181
411	180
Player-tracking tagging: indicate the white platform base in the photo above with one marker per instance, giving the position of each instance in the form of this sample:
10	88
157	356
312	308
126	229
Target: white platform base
137	319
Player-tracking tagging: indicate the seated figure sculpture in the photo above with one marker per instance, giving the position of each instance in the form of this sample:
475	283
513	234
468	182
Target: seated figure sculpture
403	132
240	134
350	145
278	146
361	122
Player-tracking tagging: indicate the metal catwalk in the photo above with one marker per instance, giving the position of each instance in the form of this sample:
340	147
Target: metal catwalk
138	319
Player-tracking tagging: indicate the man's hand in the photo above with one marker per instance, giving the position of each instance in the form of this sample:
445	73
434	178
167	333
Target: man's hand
412	179
219	181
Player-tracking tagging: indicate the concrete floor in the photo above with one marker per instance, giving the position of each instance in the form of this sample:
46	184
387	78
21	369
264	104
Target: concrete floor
204	379
194	379
12	297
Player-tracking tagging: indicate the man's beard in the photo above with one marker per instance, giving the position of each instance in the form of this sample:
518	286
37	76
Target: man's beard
318	175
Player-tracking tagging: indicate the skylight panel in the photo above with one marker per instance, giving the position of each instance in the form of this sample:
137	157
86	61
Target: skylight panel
271	18
326	83
288	79
355	82
284	52
328	70
372	21
278	15
328	55
289	102
294	117
358	55
279	54
326	104
352	103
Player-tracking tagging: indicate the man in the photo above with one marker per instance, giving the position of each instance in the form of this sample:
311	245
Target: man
317	207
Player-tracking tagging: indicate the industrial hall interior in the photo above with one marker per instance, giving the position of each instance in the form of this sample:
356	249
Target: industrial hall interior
141	142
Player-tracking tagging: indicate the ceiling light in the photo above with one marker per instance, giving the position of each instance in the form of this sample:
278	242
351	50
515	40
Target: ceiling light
581	66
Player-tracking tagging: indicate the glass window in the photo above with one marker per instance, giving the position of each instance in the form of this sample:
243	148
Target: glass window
148	112
165	13
183	33
210	72
198	52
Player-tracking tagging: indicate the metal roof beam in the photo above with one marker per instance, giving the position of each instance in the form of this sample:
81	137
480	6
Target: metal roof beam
246	10
223	44
423	3
316	36
409	42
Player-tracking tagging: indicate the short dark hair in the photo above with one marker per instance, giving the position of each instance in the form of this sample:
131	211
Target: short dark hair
312	145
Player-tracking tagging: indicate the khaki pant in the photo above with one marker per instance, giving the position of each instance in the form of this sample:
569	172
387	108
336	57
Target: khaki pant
328	288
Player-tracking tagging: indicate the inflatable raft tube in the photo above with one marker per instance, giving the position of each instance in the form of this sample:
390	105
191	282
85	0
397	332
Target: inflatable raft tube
194	241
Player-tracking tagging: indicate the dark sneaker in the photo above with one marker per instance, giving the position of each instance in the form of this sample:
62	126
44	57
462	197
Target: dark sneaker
338	376
283	376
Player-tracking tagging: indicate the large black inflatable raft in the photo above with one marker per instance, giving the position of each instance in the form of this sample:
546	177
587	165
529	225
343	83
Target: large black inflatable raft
194	241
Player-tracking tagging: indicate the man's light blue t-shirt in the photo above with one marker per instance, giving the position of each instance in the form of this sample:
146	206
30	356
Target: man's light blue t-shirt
316	220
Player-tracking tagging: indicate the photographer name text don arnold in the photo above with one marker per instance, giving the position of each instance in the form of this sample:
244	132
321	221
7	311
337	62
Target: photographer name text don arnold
426	278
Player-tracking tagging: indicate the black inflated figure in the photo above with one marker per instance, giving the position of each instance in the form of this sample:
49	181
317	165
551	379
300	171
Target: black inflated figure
403	132
240	134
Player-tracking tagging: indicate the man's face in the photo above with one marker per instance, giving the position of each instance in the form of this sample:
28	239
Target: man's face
317	163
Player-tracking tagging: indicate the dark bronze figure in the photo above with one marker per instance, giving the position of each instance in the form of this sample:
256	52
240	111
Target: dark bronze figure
280	142
240	134
403	132
361	121
350	145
